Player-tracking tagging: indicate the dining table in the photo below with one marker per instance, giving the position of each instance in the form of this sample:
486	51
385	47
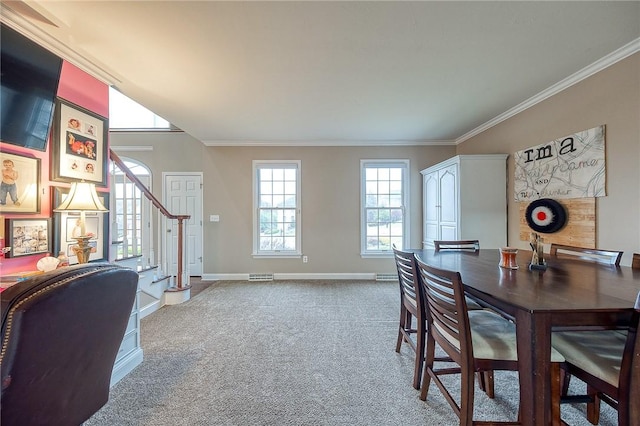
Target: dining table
567	293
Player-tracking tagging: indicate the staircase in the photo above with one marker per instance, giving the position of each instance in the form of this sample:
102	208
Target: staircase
162	279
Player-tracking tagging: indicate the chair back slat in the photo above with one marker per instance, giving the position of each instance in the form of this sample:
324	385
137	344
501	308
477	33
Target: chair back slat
406	274
456	245
610	257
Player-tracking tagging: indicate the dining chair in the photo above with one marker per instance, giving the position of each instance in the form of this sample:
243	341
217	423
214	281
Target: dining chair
610	257
609	363
476	340
456	245
409	312
635	263
485	379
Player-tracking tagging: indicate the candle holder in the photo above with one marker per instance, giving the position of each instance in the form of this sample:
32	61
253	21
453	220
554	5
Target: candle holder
537	258
508	258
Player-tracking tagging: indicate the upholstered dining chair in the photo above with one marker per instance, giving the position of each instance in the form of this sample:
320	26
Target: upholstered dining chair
412	325
485	379
61	332
606	257
609	363
476	341
407	330
610	257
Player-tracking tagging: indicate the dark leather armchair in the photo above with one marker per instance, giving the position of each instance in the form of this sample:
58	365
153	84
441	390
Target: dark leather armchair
61	332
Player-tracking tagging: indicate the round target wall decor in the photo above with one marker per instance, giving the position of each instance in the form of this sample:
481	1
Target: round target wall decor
546	215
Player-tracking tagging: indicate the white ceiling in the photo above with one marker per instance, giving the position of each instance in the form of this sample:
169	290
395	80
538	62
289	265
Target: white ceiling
342	72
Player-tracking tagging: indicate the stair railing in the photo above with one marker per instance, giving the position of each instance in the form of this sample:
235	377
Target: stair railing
157	204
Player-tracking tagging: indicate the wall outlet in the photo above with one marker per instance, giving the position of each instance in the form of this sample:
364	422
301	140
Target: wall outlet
214	218
305	259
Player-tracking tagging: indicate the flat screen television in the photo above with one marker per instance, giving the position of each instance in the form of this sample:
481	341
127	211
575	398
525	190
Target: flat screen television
29	78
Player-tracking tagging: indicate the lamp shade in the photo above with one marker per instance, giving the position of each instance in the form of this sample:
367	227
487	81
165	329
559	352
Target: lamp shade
82	197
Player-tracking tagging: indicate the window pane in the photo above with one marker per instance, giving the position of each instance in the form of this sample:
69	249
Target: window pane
383	201
277	197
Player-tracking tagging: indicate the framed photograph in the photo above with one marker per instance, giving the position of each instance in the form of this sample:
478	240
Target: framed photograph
20	187
27	236
79	150
66	227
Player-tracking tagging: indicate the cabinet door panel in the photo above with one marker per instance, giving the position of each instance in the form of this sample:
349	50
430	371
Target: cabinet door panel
431	211
448	232
431	198
448	197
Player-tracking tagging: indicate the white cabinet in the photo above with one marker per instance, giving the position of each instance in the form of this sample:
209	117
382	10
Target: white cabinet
465	197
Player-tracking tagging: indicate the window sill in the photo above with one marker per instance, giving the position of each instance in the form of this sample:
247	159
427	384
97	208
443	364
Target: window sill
383	255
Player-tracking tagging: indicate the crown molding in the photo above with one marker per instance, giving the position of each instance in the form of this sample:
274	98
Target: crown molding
131	148
17	21
615	56
336	142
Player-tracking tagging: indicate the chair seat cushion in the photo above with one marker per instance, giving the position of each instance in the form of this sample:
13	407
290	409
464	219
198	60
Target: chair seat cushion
472	304
494	337
599	353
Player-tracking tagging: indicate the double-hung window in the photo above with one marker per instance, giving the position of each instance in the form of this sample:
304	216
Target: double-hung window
384	206
276	208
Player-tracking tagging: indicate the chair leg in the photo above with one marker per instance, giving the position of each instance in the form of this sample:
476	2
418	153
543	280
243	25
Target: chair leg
401	326
485	382
565	379
593	406
556	382
429	359
466	398
419	364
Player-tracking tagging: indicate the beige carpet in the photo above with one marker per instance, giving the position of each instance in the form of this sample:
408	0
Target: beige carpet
288	353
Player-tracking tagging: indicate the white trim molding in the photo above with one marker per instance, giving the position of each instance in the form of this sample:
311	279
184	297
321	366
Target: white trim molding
132	148
294	276
615	56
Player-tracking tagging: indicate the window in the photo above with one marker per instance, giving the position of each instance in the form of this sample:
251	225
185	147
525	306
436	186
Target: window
130	212
384	201
277	208
126	114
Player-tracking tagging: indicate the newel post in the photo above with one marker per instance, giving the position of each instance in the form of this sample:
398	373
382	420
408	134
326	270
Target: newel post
180	224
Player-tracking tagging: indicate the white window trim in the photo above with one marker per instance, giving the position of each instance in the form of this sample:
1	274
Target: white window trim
405	165
293	254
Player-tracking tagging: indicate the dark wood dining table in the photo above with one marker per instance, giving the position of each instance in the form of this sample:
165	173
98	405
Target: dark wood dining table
569	293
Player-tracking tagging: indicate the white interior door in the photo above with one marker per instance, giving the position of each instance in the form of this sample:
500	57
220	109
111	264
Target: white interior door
183	196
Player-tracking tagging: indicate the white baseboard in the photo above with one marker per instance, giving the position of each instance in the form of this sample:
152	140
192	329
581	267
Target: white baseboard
126	365
150	308
294	276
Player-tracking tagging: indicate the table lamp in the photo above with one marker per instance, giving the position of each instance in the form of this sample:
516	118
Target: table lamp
82	198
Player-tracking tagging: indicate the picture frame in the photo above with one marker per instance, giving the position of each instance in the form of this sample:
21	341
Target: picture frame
96	224
79	145
23	195
27	237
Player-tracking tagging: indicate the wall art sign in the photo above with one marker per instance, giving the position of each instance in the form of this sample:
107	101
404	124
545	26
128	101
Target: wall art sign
20	187
569	167
79	145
